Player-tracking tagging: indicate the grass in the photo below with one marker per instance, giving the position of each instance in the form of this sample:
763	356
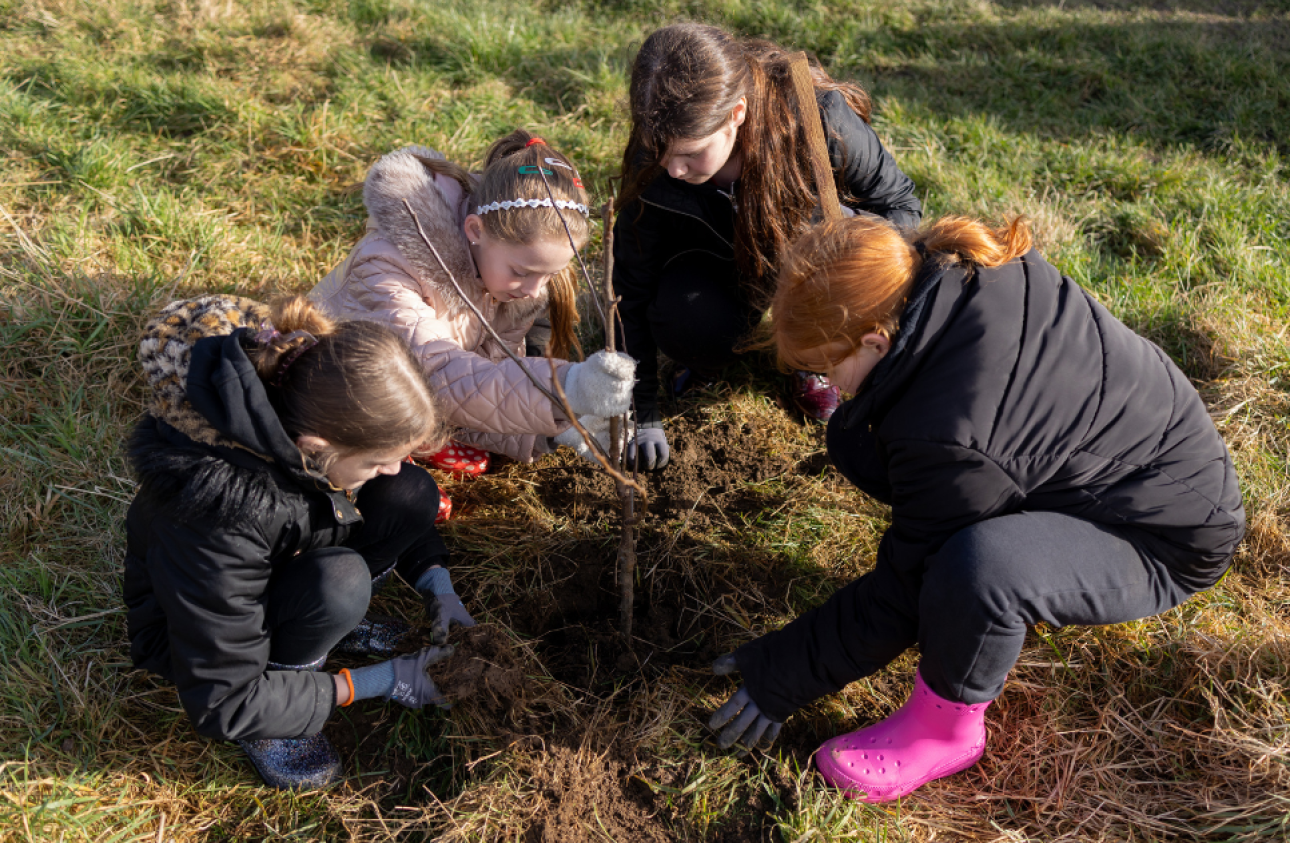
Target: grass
155	149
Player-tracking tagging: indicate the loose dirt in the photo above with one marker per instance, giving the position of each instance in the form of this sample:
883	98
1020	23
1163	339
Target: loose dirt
589	782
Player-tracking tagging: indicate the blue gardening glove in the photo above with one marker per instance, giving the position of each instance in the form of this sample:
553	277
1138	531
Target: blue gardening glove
747	725
403	680
649	449
601	385
443	606
413	687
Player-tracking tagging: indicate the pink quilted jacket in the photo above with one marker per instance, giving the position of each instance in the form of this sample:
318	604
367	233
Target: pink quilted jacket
391	277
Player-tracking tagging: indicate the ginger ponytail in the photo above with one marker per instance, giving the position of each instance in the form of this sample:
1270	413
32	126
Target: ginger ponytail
355	384
844	279
970	241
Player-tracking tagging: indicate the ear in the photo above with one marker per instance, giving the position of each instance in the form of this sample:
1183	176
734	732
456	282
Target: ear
310	444
739	113
473	227
879	344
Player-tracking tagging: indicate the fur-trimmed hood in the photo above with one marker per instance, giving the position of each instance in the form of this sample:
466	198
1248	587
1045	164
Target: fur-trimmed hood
211	441
441	206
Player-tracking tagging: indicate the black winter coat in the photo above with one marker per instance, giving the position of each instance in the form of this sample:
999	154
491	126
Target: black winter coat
674	217
1008	390
208	526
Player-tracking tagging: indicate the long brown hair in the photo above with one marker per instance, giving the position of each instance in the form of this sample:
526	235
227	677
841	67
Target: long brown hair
844	279
685	82
359	386
502	181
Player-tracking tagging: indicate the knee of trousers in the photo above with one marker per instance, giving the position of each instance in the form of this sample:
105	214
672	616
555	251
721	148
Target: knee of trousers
410	494
980	569
342	584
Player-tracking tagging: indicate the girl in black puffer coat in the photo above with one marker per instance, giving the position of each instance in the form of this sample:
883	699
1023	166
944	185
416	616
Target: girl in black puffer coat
1042	463
273	499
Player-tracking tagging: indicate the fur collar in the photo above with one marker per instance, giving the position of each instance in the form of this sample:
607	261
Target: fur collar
400	176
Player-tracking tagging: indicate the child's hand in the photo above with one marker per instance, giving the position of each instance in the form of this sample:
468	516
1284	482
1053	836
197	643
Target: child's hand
601	385
445	611
413	687
649	449
747	725
443	606
597	426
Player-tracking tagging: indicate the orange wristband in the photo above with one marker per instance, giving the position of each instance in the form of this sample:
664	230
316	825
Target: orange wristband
349	680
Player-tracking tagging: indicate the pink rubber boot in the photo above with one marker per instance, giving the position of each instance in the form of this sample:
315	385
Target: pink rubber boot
926	738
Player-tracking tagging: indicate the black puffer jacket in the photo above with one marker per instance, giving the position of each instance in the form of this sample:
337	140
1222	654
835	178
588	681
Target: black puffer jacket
1009	390
673	217
223	498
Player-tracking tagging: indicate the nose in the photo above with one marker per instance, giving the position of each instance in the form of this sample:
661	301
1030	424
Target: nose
532	286
675	168
390	467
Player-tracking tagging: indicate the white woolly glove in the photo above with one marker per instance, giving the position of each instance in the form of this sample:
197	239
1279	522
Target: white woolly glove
601	385
597	426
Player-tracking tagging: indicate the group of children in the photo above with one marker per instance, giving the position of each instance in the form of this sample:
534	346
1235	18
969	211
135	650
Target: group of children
1042	462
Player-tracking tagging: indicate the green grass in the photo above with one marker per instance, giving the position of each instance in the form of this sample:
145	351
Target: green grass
154	149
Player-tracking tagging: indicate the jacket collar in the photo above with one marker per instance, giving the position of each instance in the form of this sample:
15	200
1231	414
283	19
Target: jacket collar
938	292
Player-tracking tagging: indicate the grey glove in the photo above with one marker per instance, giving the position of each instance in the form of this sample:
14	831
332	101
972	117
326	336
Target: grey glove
649	449
601	385
413	687
747	725
443	606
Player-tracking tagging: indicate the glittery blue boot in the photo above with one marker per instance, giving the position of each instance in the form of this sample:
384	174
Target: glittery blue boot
375	635
295	763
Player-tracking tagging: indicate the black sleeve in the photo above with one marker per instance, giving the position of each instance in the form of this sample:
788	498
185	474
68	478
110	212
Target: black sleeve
637	259
864	167
210	582
937	490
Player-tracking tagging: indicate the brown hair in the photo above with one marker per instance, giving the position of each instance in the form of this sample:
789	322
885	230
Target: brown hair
685	82
359	387
502	181
844	279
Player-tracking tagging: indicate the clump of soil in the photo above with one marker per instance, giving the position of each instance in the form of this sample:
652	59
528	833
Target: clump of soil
711	466
484	671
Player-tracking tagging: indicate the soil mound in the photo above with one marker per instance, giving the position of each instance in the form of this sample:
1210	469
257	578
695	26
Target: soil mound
711	466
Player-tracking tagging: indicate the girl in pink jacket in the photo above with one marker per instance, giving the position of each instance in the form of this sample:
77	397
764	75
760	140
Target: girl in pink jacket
502	236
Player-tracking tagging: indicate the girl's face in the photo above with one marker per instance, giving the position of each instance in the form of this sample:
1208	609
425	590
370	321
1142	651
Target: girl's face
699	160
850	371
512	271
351	471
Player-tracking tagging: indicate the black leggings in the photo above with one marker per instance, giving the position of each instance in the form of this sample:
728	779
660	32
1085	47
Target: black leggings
980	591
316	598
699	313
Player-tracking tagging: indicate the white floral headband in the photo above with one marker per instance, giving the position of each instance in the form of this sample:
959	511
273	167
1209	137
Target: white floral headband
532	203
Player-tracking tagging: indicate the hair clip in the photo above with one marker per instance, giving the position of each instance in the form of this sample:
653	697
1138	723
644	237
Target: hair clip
556	162
531	170
577	182
533	141
531	203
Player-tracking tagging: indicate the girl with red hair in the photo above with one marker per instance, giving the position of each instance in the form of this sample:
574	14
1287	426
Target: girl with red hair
1043	463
